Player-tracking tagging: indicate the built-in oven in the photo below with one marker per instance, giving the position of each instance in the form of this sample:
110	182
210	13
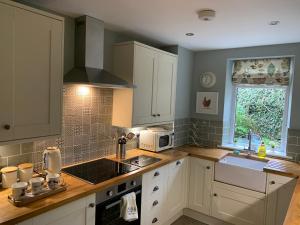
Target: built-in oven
109	203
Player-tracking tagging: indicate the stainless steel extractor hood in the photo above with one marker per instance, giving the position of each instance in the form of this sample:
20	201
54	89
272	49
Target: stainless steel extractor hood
89	51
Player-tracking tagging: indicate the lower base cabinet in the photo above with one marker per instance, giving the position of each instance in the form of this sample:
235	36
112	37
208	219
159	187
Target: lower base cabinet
164	193
237	205
279	193
79	212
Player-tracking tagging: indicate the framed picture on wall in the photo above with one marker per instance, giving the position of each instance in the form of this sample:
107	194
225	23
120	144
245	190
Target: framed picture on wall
207	103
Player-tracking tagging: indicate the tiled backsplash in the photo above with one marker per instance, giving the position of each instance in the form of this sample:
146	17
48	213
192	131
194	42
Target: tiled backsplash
293	144
87	131
206	133
182	131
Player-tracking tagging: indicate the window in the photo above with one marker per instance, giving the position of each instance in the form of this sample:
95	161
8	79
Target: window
260	103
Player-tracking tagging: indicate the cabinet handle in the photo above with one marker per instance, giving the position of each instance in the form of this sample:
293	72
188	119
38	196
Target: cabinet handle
154	220
208	167
158	114
178	163
272	182
156	174
91	205
6	126
155	203
156	188
215	194
154	115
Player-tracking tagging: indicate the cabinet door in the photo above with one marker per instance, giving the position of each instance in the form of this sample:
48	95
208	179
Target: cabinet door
78	212
6	70
144	64
238	206
176	187
201	177
279	193
38	45
164	88
31	79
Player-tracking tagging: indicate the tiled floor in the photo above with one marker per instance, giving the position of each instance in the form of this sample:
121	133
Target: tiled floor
184	220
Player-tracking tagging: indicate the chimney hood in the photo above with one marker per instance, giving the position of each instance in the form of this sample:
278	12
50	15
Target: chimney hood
89	52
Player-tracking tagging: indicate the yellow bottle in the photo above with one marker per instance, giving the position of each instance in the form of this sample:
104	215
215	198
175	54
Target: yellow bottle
262	151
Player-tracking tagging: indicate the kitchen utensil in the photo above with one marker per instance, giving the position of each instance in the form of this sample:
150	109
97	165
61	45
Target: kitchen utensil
18	190
25	171
52	160
9	176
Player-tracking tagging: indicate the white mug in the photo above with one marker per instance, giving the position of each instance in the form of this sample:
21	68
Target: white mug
53	180
36	185
19	190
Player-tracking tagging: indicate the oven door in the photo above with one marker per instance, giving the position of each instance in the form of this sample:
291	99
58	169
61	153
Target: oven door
108	212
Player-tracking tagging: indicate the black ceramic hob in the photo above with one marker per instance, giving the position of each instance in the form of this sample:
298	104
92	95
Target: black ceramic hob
99	170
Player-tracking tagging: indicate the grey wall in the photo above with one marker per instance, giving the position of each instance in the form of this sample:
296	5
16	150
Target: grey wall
216	61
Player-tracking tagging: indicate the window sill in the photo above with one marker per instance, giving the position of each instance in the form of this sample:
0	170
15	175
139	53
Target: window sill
277	154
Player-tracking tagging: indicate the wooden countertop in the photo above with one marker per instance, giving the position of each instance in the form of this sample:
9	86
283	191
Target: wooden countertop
10	214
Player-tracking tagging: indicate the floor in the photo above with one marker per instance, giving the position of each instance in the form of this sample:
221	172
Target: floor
184	220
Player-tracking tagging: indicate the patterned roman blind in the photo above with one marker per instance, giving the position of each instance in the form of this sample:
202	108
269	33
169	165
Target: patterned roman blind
271	71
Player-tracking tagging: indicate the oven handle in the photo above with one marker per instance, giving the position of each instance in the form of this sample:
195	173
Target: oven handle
118	202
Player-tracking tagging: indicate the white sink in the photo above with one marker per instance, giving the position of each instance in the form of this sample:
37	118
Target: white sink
242	172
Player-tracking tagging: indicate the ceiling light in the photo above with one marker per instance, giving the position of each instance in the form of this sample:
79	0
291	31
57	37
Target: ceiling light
274	22
206	14
189	34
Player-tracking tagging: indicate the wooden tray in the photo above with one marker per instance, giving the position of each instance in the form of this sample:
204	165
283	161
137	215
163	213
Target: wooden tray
29	197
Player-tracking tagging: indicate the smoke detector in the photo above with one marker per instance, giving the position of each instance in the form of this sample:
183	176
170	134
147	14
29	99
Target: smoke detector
206	14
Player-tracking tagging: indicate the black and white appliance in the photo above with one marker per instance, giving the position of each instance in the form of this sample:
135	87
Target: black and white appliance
156	139
108	203
99	170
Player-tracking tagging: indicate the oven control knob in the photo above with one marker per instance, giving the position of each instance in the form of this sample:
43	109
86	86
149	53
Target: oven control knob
133	183
109	193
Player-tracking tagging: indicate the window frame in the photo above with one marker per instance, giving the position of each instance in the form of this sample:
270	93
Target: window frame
284	128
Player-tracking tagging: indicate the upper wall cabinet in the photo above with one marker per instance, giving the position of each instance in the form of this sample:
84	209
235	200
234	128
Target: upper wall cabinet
31	72
153	74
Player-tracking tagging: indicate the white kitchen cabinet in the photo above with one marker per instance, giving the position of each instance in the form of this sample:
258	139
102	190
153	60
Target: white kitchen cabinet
177	188
164	193
200	185
79	212
154	199
279	193
237	205
153	73
31	68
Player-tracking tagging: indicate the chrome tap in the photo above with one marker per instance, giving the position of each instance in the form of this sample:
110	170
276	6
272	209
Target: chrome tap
250	136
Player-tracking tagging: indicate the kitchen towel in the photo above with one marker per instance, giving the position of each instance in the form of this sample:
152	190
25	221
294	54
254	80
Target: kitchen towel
129	210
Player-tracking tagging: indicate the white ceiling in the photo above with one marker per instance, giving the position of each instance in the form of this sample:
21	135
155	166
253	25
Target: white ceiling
238	23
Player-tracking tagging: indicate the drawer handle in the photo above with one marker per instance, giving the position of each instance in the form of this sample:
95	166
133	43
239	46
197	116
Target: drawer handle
156	188
158	114
154	220
208	167
154	115
155	203
156	174
272	182
178	163
215	194
6	126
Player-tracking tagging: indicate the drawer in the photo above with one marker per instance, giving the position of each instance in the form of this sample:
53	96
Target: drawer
151	220
153	192
157	176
